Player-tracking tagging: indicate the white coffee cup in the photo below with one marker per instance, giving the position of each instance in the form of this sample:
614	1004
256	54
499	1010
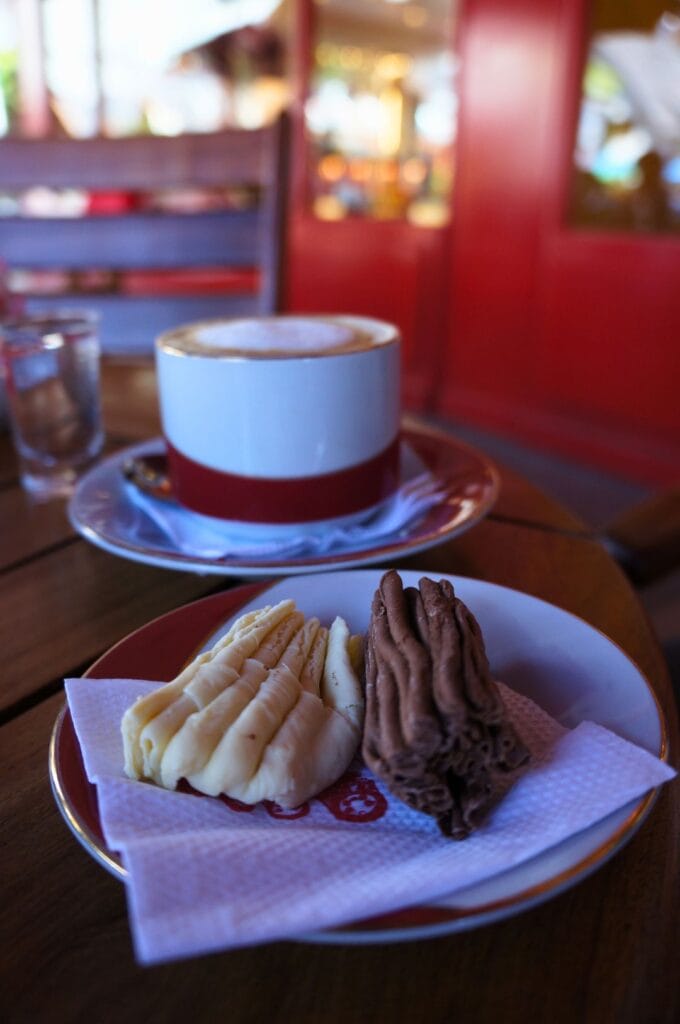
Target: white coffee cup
284	421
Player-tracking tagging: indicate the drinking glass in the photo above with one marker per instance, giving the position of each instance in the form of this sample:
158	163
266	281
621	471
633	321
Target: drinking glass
50	366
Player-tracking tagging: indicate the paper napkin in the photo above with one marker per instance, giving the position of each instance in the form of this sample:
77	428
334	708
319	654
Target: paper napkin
208	874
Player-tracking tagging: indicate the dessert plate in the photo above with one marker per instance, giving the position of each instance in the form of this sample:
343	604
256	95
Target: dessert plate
463	485
573	671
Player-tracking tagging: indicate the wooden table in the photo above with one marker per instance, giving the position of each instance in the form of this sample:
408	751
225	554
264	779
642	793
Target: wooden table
606	950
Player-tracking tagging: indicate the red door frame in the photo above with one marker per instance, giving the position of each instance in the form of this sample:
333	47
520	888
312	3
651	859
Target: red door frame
564	337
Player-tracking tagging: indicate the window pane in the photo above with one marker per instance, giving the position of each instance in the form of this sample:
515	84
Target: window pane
627	154
124	67
201	66
381	114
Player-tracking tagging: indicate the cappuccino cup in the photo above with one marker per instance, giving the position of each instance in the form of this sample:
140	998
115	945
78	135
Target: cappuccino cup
282	422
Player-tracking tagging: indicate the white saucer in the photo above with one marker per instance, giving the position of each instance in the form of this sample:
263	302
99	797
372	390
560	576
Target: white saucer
105	511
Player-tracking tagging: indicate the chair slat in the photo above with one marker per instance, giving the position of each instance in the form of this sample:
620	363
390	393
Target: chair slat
225	238
227	158
250	238
129	325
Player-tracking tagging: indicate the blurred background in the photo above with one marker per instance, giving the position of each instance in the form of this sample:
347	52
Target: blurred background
501	180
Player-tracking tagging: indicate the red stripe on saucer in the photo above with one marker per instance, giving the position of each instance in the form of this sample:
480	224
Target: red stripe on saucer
280	501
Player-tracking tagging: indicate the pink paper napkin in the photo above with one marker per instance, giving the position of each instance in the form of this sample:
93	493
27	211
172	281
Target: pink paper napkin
208	874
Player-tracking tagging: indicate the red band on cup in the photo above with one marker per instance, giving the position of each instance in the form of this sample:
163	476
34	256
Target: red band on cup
271	500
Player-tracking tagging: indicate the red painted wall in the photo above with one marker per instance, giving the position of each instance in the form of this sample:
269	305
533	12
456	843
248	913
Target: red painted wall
388	270
564	337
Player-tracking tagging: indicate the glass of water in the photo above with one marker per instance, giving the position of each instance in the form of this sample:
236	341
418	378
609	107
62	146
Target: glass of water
50	367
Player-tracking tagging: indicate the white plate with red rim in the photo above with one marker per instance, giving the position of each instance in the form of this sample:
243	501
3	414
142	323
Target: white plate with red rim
565	665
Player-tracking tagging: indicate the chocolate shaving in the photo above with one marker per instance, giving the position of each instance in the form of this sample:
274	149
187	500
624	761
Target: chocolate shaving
436	731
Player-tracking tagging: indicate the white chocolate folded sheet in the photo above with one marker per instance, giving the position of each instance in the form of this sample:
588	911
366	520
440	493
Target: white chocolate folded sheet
274	711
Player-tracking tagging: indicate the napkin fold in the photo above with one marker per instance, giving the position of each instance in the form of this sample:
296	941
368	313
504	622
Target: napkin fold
209	874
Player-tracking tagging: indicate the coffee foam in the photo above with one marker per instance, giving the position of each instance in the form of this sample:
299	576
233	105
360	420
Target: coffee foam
283	336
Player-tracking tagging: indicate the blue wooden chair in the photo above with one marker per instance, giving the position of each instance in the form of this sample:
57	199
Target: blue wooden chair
156	267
